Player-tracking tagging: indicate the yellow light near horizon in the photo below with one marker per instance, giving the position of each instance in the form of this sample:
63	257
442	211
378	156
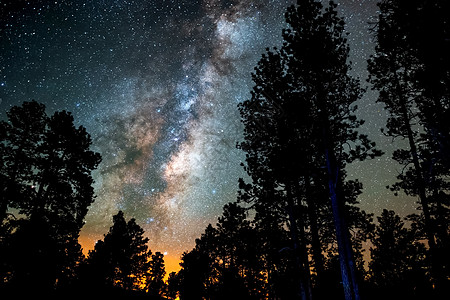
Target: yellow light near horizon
171	263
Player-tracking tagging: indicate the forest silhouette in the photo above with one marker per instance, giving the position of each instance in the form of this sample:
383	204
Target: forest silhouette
295	230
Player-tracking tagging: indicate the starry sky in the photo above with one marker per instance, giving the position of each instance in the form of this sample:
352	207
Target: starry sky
156	83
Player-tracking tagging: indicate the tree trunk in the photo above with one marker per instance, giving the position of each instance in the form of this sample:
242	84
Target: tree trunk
421	187
303	242
315	239
419	176
348	273
346	261
305	285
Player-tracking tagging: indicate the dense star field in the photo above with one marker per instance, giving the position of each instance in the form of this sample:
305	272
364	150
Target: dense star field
156	84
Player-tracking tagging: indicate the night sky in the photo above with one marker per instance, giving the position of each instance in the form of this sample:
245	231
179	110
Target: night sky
156	84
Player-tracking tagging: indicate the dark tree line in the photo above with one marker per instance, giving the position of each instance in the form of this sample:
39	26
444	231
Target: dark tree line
411	70
306	92
122	264
45	174
46	188
295	231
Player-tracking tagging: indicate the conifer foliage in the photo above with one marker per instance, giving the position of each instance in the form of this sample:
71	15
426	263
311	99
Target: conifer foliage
412	74
301	131
122	258
45	169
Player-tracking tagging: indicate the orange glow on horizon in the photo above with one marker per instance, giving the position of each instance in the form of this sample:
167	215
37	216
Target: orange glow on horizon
172	263
86	243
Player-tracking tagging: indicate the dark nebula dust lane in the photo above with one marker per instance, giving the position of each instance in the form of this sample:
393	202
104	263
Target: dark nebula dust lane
156	84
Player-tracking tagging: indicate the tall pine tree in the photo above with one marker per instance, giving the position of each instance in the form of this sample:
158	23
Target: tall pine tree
45	167
411	73
121	260
298	125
